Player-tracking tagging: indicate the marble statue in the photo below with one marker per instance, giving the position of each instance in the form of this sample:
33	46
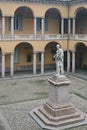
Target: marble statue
59	61
58	112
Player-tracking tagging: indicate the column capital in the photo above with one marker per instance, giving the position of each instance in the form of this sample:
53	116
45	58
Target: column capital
68	50
42	17
35	52
73	51
64	50
74	18
12	16
3	53
3	16
41	51
62	18
12	53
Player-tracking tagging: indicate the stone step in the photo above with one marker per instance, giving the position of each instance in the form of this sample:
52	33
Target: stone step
58	118
60	123
59	111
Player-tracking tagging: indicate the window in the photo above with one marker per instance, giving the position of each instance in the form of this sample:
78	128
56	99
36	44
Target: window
29	58
39	56
18	22
53	52
46	23
79	22
66	26
38	24
0	23
16	55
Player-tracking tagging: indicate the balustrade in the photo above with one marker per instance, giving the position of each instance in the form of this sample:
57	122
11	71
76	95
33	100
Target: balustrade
62	2
40	1
31	37
46	37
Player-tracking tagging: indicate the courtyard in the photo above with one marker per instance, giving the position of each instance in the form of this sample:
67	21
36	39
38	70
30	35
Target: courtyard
18	96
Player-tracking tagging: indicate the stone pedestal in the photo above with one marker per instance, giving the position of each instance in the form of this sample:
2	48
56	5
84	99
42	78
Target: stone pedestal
59	90
58	112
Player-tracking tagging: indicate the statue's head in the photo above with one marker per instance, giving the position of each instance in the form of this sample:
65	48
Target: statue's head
58	46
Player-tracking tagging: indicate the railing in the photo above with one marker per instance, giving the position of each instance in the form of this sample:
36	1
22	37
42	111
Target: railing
45	37
55	36
78	37
61	2
76	2
32	37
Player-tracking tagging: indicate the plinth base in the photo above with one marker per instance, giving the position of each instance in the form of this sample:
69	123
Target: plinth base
54	122
58	113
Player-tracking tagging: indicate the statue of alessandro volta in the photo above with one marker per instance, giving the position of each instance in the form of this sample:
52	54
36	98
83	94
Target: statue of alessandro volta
59	60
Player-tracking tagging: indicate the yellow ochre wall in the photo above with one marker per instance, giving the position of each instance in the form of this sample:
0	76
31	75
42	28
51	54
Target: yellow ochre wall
39	10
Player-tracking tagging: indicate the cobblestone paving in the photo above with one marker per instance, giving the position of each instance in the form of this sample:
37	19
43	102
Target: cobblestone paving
19	96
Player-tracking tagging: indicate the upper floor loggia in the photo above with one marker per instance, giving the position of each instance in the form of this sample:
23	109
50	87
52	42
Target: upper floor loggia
24	25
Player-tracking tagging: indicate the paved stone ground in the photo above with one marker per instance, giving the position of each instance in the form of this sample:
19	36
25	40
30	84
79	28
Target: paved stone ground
19	96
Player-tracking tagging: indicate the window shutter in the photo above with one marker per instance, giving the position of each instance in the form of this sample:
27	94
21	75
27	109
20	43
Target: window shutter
16	22
38	24
9	23
46	23
20	22
81	24
16	55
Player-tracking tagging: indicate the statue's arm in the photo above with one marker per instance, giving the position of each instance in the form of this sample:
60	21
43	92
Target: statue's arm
62	55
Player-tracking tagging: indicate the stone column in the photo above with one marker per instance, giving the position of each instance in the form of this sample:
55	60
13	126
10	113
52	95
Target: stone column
3	27
12	64
3	65
73	27
42	62
12	27
42	31
73	61
68	61
35	27
34	62
62	27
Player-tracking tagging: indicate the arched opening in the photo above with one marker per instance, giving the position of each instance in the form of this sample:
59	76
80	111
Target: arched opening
23	20
81	24
81	56
52	21
23	58
49	62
